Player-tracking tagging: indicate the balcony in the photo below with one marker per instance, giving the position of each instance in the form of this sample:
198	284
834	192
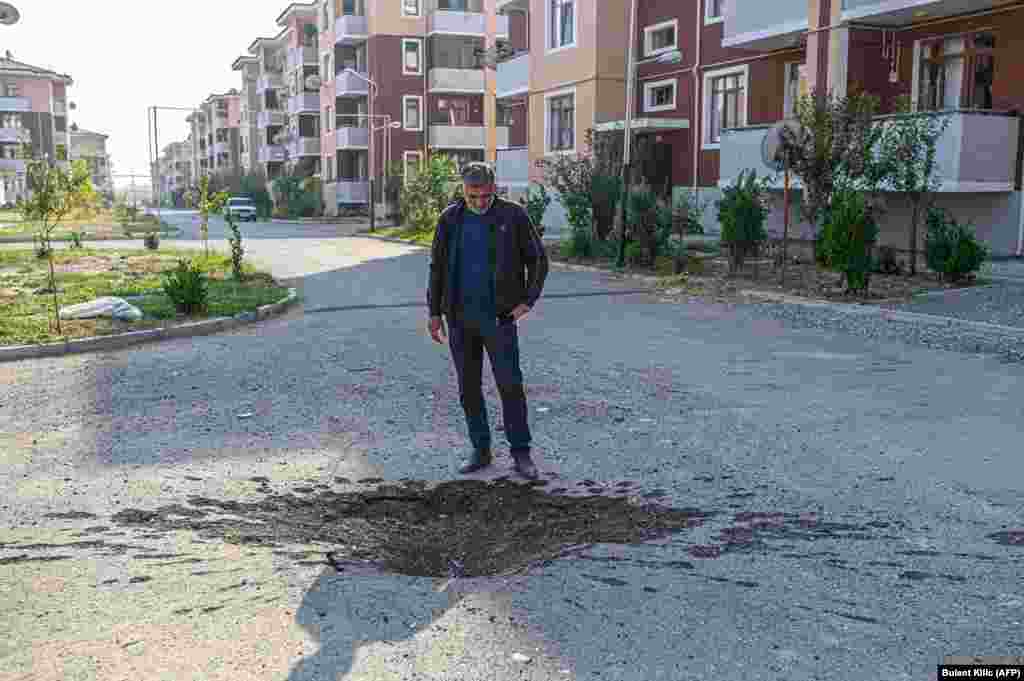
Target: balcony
760	25
903	12
16	135
976	153
458	136
12	165
512	169
457	23
270	118
15	104
501	27
456	80
221	148
352	138
350	29
272	153
512	5
513	76
297	56
270	81
306	102
349	85
353	191
60	107
305	146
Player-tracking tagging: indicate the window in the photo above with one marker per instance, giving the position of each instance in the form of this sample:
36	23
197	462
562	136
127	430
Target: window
11	120
455	52
412	110
561	121
661	38
796	87
411	57
453	5
714	11
410	8
411	163
660	95
452	111
562	24
956	72
11	90
725	103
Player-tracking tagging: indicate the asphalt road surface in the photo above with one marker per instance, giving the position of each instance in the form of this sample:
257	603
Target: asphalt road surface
864	499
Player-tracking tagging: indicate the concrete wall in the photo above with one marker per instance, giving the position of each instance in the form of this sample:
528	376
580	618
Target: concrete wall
757	19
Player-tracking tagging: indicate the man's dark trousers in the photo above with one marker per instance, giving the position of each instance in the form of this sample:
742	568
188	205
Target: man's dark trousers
467	342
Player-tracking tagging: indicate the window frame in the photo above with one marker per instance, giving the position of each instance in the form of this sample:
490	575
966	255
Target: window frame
650	86
968	57
419	56
405	6
649	32
419	102
789	102
706	94
549	22
710	18
548	96
405	162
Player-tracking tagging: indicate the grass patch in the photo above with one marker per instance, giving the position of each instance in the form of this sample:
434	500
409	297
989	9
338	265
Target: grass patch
83	275
407	234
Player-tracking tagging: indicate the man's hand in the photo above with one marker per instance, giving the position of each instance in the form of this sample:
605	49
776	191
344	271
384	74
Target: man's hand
520	311
436	327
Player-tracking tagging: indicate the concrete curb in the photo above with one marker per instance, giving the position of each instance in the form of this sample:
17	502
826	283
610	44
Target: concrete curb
122	340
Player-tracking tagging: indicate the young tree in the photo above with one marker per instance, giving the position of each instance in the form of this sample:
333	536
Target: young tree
207	203
54	192
829	146
907	150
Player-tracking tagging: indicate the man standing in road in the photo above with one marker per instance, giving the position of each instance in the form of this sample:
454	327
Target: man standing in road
487	270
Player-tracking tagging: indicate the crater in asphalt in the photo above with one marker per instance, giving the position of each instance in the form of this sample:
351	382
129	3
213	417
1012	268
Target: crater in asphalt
466	528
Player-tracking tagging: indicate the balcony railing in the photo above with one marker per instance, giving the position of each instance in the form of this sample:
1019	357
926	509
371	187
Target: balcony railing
458	136
19	135
304	102
764	25
271	117
305	54
353	192
350	29
456	80
305	146
221	148
15	104
270	80
349	85
512	169
513	76
271	153
351	133
457	23
976	153
12	165
60	107
501	26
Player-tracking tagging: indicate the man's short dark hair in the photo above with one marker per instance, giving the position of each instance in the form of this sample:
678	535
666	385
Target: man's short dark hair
477	173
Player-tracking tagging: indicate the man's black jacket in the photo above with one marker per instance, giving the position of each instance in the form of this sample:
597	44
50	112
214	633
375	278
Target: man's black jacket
515	247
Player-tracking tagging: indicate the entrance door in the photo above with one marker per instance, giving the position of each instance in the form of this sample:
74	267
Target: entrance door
654	154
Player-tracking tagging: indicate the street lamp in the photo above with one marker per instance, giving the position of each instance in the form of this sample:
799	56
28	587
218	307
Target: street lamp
673	57
371	166
154	148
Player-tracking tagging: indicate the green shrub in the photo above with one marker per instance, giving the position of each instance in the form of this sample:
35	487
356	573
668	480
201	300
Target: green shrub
634	253
187	287
886	262
76	239
851	232
151	241
951	247
650	224
605	193
742	212
580	244
426	193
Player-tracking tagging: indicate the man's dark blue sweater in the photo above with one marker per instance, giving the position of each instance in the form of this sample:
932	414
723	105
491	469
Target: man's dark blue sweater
474	284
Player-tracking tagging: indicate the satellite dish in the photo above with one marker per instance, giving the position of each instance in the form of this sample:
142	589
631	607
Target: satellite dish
8	14
771	145
313	82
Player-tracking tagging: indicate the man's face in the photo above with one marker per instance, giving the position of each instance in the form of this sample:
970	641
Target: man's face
478	196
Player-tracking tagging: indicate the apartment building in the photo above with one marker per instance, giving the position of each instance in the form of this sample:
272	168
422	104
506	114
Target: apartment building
733	68
402	78
33	121
302	78
91	147
272	116
175	173
952	59
249	101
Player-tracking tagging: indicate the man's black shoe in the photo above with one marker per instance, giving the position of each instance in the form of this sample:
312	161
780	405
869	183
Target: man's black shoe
481	459
523	464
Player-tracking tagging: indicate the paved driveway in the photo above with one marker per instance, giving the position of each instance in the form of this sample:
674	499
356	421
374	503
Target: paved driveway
888	479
